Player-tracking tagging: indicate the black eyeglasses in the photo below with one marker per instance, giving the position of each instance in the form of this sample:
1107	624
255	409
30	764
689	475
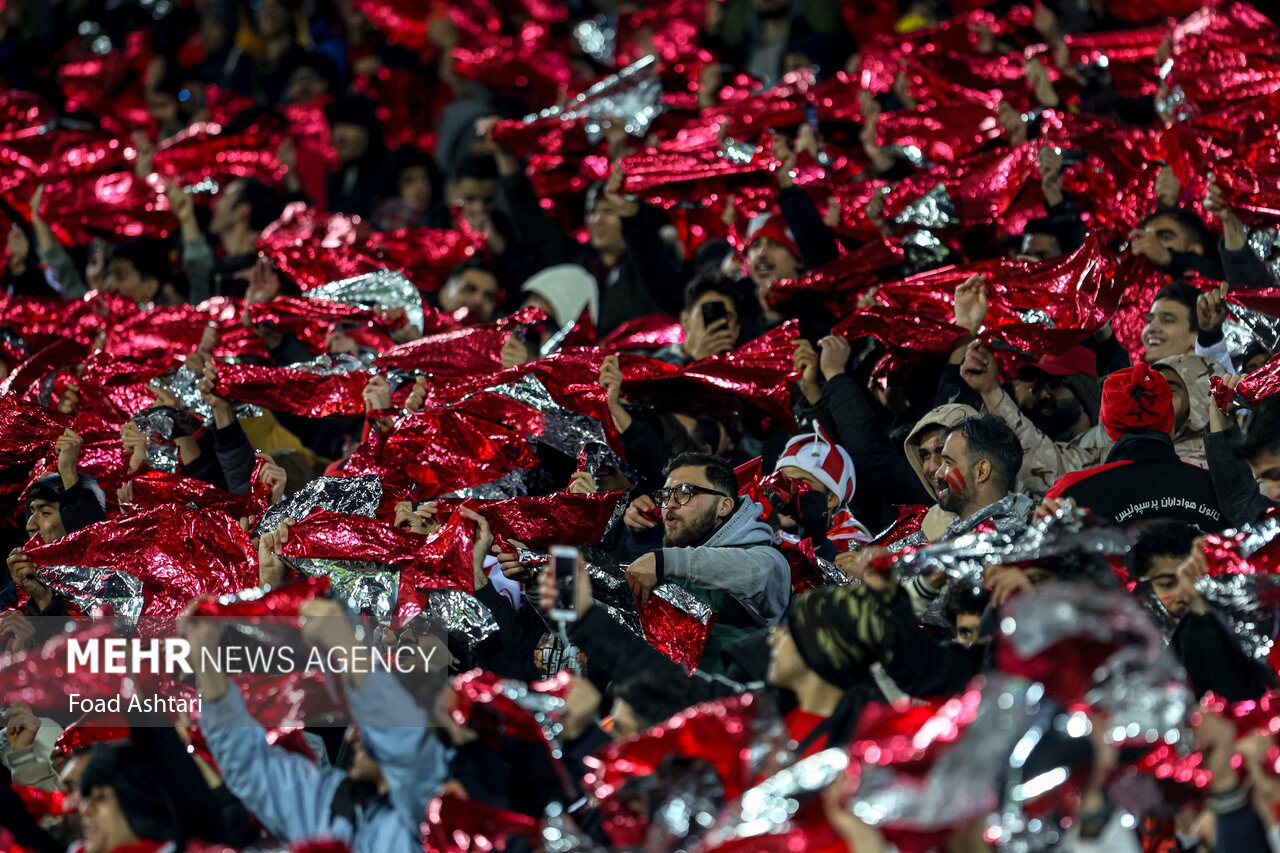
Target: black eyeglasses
683	493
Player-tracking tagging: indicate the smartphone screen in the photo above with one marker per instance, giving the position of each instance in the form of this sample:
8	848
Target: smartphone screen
564	562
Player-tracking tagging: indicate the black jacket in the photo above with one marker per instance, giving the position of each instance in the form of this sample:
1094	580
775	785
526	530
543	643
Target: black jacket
1215	662
1143	479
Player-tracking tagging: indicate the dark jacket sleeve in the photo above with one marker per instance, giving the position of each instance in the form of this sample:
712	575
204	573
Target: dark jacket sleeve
1215	661
80	507
877	460
1184	262
654	259
235	455
1243	267
206	466
921	663
509	652
817	242
289	351
953	389
533	228
646	452
18	821
1238	495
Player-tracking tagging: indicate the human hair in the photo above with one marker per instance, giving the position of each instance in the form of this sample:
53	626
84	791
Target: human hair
264	204
719	473
1163	539
474	264
990	438
1183	294
1263	434
710	281
961	598
1188	220
653	695
480	167
1075	565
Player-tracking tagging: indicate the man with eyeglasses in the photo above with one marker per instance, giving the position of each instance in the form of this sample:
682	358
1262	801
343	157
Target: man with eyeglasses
1167	563
1056	422
715	545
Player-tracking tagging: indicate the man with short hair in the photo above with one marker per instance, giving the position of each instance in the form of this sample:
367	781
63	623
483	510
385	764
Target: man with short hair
715	545
980	461
1165	561
123	806
473	285
701	339
1176	325
962	606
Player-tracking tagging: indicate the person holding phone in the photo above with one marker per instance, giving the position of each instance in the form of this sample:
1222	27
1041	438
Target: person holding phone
710	321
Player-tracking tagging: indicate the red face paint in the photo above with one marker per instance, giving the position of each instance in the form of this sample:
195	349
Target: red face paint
955	480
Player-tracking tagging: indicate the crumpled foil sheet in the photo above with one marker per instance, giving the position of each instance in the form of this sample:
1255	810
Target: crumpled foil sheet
1246	602
1263	242
368	588
634	94
737	152
512	485
461	615
331	364
1141	685
923	249
934	209
184	383
1175	104
968	780
965	557
91	589
693	795
1037	317
768	808
349	495
598	38
911	153
377	289
564	430
161	425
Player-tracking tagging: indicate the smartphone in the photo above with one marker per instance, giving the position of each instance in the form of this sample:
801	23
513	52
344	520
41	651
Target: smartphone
564	561
712	312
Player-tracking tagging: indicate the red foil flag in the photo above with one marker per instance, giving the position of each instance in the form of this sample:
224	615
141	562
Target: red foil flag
678	624
849	274
496	707
297	392
445	560
654	331
474	349
540	522
333	535
42	678
156	488
456	824
280	606
176	552
27	430
40	803
90	729
1253	388
207	150
118	205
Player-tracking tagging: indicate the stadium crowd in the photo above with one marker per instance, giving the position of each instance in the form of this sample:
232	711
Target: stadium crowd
770	424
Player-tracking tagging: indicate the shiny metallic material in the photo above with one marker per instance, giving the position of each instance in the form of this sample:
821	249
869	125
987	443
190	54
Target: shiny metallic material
366	587
347	495
461	615
634	95
92	589
184	383
934	209
378	289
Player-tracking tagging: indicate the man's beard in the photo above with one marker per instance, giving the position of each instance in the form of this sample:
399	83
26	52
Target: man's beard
1055	418
691	532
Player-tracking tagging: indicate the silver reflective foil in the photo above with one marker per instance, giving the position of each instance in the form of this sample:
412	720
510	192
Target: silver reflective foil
633	95
923	249
1263	242
160	425
563	430
1037	317
559	835
598	38
184	383
737	152
333	364
768	808
685	601
92	589
1246	327
377	289
461	615
1141	685
1247	603
911	153
366	587
967	781
347	495
512	485
934	209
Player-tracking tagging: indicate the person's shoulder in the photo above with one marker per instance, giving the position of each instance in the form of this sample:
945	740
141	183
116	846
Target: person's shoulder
1073	479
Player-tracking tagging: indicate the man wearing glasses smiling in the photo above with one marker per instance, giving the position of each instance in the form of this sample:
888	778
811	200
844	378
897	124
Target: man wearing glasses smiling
714	545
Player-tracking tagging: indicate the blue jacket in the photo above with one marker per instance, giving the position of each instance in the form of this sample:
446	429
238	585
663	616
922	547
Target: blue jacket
294	798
